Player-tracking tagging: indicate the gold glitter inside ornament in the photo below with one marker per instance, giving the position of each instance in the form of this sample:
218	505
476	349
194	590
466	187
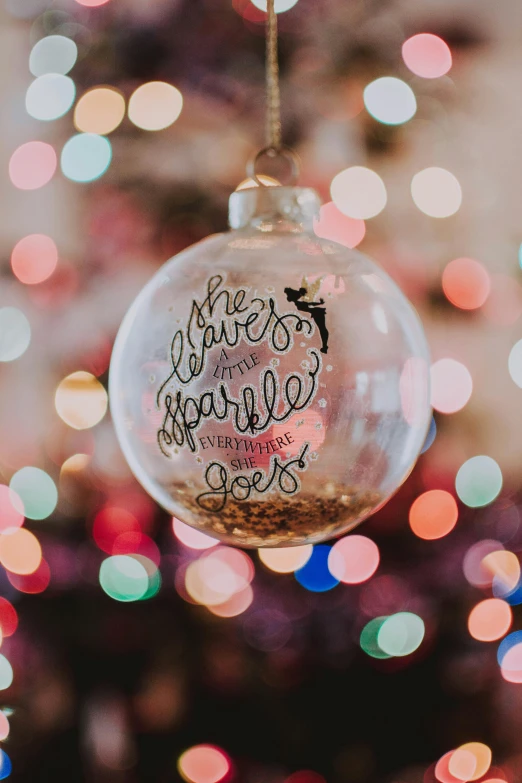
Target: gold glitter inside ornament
267	386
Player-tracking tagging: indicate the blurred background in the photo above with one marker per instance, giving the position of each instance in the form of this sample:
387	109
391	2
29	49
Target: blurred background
396	655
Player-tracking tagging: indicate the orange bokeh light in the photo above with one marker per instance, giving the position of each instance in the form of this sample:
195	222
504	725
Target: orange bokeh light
286	559
203	764
32	165
471	761
34	259
235	605
466	283
433	514
353	559
490	620
503	566
20	551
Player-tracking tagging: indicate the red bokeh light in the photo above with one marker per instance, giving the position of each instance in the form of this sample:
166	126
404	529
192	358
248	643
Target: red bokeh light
8	617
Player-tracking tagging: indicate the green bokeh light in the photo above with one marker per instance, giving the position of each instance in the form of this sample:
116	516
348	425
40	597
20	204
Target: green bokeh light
85	157
401	634
368	639
36	490
124	578
478	481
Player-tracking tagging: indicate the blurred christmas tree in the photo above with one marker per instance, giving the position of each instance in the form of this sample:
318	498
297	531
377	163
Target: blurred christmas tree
125	125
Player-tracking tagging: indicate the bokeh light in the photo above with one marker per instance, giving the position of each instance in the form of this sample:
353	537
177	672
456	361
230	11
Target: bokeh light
336	227
92	3
490	620
466	768
34	258
34	583
6	766
20	551
433	514
6	673
478	481
436	192
390	100
368	638
4	732
235	605
315	574
124	578
280	6
510	658
155	105
99	110
53	54
353	559
15	334
85	157
36	490
427	55
218	575
515	363
191	537
50	96
8	617
401	634
473	566
109	523
466	283
504	568
358	192
203	764
305	776
32	165
11	508
286	559
81	400
451	385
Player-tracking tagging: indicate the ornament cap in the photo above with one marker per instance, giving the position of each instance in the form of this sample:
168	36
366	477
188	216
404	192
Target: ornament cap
274	208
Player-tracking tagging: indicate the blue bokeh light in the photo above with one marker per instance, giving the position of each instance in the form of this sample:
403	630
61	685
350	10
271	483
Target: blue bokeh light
506	644
314	575
5	765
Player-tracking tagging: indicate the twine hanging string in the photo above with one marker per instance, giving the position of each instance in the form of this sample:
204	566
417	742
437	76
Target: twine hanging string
273	94
274	150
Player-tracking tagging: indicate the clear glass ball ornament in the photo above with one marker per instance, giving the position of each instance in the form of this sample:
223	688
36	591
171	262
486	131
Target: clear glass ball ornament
269	387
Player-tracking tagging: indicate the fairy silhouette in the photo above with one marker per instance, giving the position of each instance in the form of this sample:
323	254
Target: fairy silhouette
314	309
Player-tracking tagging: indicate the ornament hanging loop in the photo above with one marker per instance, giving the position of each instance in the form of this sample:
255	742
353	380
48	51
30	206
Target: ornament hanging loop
283	162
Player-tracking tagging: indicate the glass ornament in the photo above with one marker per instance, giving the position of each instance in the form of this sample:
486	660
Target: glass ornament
267	386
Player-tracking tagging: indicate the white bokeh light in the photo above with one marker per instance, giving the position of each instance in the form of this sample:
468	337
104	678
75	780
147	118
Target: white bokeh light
15	334
436	192
515	363
50	96
390	100
280	5
358	192
53	54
